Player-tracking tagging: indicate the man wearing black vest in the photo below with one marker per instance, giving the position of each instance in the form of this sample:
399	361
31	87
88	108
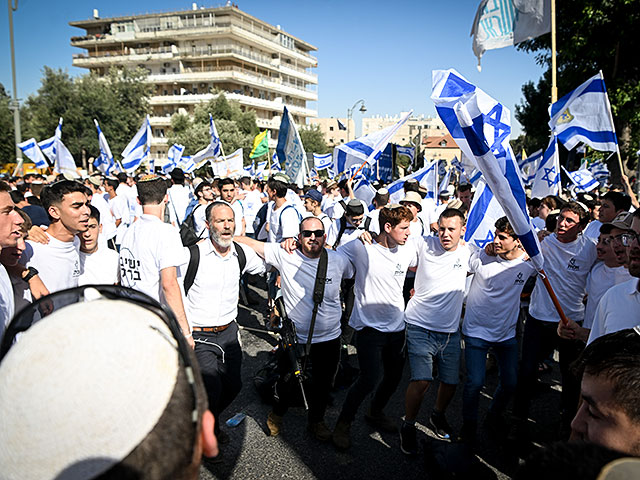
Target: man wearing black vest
211	284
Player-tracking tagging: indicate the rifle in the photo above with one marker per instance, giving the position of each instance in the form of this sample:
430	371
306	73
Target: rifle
290	347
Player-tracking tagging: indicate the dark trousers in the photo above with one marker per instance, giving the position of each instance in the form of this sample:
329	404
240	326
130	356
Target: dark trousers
324	358
220	359
379	354
539	340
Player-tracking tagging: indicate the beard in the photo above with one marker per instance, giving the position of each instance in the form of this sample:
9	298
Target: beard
216	236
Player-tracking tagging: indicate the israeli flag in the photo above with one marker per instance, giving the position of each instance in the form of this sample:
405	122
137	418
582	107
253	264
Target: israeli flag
582	179
600	171
407	152
186	164
261	170
48	147
584	115
32	152
321	162
216	144
481	127
426	177
483	214
275	163
363	190
365	149
138	148
64	160
104	163
290	149
173	157
547	176
444	183
529	166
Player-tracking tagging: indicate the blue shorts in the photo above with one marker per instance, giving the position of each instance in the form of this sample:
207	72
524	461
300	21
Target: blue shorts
426	346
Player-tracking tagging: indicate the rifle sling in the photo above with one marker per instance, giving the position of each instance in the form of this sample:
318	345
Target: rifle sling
318	294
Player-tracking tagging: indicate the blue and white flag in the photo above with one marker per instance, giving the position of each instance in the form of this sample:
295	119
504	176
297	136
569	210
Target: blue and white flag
32	152
444	183
582	179
48	147
363	190
138	148
275	163
547	176
365	149
261	170
600	171
529	166
584	115
173	157
455	163
322	161
426	177
290	149
341	125
64	160
186	164
216	144
104	162
481	127
483	213
407	152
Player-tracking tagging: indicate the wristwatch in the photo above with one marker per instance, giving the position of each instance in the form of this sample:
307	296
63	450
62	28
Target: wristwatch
29	273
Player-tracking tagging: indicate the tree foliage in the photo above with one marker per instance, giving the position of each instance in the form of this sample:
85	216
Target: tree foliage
118	101
592	35
7	136
313	139
236	127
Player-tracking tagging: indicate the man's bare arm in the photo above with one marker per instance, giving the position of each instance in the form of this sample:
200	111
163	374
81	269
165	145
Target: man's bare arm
171	290
255	245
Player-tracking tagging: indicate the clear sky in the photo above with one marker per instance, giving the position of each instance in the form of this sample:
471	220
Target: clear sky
382	52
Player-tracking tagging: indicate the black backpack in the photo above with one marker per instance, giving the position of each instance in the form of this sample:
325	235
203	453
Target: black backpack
188	233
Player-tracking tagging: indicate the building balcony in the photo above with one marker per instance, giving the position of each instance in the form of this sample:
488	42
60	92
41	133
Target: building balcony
108	58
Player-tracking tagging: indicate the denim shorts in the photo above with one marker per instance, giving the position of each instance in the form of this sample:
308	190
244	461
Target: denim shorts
426	346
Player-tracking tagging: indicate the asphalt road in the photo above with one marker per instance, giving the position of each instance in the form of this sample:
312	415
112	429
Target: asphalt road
251	454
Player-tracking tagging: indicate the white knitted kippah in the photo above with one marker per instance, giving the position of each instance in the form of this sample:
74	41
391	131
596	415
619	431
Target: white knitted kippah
82	388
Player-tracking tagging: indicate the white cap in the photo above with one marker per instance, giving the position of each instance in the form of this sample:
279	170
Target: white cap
82	388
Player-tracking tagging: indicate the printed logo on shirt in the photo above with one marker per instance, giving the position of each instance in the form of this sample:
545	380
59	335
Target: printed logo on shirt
519	279
76	269
457	265
129	267
399	271
328	281
572	265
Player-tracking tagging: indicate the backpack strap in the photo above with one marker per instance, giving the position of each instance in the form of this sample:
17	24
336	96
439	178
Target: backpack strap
367	222
242	257
343	227
318	295
192	268
281	212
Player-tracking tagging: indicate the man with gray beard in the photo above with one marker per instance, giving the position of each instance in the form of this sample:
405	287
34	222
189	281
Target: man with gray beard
211	284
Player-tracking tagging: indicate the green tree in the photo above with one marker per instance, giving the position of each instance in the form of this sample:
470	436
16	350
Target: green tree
313	139
592	35
7	136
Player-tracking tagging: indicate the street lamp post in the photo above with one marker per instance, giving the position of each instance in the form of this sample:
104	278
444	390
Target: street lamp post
350	113
15	105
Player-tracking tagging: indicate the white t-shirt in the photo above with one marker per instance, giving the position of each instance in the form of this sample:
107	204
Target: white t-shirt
252	203
284	222
179	199
100	267
106	217
199	220
349	234
328	203
418	228
238	215
592	230
380	274
58	263
567	266
120	210
619	308
6	301
601	278
298	274
493	301
428	214
148	247
374	224
439	289
326	221
212	300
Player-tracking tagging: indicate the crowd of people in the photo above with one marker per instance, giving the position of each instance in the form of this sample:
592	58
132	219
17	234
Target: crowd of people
396	281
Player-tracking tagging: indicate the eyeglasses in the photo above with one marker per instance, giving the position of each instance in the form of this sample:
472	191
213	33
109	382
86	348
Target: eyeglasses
308	233
626	239
44	306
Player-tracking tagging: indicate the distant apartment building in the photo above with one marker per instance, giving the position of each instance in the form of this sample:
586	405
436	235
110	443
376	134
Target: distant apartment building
333	134
419	125
188	54
440	147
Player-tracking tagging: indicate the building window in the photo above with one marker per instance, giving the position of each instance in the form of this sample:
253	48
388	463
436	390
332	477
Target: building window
331	129
443	143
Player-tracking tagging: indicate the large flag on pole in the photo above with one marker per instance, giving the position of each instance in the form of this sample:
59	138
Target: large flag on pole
502	23
547	176
582	179
426	177
104	162
260	145
32	151
366	149
48	147
290	149
64	160
138	148
481	220
584	115
481	127
173	157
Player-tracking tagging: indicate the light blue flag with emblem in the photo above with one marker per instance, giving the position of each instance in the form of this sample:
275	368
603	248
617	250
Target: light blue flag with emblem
290	149
32	152
138	148
547	175
321	162
426	177
584	115
483	213
582	179
481	127
104	162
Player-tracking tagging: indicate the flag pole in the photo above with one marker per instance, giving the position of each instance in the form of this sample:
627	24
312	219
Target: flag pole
554	84
554	298
612	125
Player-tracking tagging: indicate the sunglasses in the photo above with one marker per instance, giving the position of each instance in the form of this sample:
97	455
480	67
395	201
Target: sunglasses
308	233
43	307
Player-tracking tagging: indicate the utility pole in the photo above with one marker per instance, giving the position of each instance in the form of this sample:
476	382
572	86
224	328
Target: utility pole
14	104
